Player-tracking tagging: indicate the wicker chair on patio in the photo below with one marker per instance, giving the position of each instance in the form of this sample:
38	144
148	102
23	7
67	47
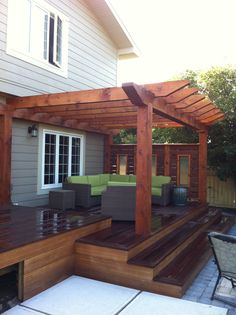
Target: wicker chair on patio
224	250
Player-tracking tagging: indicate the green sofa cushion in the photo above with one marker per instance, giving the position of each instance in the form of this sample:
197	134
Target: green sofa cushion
97	190
156	191
77	179
94	180
132	178
104	178
119	178
157	181
111	183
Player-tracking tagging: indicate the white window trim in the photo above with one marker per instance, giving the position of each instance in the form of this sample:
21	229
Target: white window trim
82	152
63	70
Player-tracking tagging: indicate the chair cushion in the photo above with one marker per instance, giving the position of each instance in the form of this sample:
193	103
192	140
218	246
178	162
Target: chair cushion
110	183
97	190
94	180
156	191
132	178
119	178
157	181
77	179
104	178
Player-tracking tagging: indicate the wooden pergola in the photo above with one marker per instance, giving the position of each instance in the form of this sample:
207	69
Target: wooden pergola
106	111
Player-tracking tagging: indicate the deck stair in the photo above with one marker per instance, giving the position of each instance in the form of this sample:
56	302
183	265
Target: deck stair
164	263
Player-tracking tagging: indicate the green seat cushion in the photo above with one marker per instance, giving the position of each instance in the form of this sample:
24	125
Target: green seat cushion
132	178
104	178
157	181
97	190
119	178
156	191
94	180
111	183
77	179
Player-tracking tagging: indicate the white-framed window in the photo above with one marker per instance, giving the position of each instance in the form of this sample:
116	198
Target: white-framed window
38	33
62	156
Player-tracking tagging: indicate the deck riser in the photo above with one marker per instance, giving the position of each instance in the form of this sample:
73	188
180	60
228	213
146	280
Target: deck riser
121	275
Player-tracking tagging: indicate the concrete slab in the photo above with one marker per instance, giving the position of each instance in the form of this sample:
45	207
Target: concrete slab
77	295
20	310
149	303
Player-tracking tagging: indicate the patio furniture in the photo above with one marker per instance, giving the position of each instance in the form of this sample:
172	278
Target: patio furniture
179	197
62	199
119	202
224	250
88	189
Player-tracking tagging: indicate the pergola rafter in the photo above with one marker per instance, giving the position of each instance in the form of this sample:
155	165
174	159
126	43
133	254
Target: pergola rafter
174	105
106	111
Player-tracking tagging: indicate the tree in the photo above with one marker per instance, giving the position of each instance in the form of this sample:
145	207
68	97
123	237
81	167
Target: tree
220	85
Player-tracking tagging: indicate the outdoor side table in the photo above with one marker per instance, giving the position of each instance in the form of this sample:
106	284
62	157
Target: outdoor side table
180	195
62	199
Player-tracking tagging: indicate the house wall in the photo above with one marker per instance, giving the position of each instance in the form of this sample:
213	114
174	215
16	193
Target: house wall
25	161
92	56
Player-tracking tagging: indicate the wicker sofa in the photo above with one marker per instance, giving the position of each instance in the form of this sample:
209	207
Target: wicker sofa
89	189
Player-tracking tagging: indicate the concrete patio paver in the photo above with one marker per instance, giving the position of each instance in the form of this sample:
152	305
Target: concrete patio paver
77	295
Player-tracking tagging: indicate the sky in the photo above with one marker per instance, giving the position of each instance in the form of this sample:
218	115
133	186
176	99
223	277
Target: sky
175	35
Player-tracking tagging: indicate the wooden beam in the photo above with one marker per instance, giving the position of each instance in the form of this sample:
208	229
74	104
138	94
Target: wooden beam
213	117
85	112
163	89
137	94
5	161
65	122
83	106
180	95
160	107
209	113
202	172
139	97
68	98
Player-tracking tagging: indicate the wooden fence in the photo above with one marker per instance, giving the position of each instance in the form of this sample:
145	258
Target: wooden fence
221	193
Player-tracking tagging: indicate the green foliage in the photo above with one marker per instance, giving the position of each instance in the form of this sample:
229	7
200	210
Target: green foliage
220	85
125	136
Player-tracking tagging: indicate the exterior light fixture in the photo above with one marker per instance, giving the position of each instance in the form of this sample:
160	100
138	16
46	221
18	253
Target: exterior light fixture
33	131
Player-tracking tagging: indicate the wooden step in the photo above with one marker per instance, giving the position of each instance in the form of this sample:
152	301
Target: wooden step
154	254
183	269
125	239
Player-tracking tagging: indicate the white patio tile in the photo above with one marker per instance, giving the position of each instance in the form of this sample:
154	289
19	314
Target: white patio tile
77	295
20	310
154	304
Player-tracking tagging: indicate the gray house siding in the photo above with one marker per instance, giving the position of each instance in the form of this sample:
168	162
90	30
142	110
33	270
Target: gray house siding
94	156
92	56
25	155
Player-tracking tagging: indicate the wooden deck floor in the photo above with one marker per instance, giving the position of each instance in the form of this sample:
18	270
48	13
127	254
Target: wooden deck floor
24	225
39	243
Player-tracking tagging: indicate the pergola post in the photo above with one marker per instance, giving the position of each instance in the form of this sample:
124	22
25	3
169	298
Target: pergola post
108	141
5	161
144	170
202	182
143	101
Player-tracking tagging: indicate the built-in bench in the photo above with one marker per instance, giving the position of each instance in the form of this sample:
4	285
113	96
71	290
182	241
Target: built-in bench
89	189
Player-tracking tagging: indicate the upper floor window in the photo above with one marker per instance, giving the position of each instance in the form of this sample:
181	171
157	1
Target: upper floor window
38	33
